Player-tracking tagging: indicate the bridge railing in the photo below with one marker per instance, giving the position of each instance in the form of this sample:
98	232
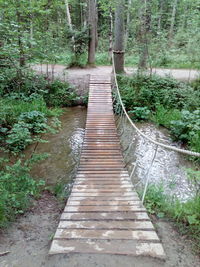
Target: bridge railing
124	119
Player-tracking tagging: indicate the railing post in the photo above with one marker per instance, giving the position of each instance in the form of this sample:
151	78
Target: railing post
147	179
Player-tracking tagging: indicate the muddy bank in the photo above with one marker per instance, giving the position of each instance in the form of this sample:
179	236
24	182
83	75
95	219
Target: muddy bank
28	242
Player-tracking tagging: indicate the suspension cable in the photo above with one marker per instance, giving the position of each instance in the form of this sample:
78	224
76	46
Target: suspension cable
183	151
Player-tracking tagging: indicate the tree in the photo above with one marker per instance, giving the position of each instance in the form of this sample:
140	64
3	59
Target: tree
145	26
171	30
92	23
119	37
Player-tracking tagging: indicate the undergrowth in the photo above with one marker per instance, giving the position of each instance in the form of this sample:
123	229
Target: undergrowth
186	214
167	102
17	187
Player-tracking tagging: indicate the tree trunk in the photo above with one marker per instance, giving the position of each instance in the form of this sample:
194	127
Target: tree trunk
160	15
119	37
92	23
20	42
127	23
69	21
145	27
31	23
110	37
171	30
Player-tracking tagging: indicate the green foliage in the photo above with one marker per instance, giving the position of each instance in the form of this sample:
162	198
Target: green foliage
194	180
11	109
36	121
185	214
167	102
78	46
151	91
164	116
19	137
20	120
17	188
139	113
60	94
187	128
102	58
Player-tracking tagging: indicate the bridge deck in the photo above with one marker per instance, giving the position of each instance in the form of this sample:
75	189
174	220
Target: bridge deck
103	213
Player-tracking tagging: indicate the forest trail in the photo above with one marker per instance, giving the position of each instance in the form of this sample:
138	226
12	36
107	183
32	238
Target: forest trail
59	70
104	214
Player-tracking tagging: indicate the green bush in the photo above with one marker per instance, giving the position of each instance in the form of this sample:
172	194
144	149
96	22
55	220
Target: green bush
36	121
151	91
164	116
17	188
172	104
188	127
139	113
19	137
185	214
11	109
60	94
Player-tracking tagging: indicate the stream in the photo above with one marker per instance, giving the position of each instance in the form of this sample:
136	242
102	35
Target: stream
169	167
64	148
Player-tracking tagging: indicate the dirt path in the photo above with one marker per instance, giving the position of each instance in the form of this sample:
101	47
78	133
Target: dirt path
29	238
60	71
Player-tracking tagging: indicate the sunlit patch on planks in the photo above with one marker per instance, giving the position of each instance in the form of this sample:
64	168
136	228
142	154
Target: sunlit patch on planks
103	213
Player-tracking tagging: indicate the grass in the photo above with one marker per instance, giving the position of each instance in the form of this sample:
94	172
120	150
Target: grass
10	109
17	189
186	215
164	116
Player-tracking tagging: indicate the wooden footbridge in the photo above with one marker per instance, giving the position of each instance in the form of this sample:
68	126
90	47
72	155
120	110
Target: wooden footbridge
103	213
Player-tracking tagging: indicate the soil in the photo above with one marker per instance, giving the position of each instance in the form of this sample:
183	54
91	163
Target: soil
26	242
83	73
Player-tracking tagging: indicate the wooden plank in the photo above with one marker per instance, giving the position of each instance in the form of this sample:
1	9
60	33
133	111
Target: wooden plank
95	208
120	225
106	234
115	216
116	247
103	213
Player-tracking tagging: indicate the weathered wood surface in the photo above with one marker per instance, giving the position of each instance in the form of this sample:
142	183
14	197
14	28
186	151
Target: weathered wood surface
103	213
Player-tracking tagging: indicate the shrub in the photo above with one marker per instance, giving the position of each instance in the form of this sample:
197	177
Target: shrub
36	121
164	116
185	214
60	94
139	113
17	188
19	137
188	126
151	91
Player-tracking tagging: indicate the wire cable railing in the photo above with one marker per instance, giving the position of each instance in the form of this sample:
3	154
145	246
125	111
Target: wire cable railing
123	118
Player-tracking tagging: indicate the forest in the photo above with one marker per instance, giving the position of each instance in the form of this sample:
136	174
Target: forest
142	35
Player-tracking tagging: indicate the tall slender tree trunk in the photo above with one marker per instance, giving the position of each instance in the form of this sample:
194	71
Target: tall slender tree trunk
119	37
171	30
20	41
92	22
69	20
127	23
160	15
31	22
145	26
110	36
